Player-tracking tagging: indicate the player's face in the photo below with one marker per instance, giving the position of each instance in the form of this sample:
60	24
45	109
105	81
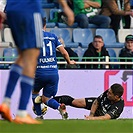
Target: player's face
110	95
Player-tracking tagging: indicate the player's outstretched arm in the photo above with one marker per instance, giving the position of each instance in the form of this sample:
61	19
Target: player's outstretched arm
69	13
66	55
105	117
92	112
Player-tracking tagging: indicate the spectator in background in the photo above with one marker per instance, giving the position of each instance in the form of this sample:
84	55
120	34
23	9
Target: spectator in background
71	54
127	52
110	8
95	49
86	12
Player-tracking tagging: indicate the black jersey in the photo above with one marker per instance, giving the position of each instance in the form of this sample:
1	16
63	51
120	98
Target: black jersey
106	107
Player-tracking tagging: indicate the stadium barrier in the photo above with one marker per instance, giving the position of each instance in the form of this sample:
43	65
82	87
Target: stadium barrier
107	61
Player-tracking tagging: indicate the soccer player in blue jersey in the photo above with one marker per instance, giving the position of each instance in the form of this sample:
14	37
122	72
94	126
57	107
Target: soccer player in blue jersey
46	76
24	19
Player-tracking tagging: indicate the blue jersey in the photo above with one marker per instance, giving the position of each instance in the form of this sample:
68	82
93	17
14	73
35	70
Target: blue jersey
24	5
47	62
47	71
24	19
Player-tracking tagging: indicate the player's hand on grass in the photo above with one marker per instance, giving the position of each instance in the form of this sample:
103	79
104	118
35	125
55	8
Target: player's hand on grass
87	117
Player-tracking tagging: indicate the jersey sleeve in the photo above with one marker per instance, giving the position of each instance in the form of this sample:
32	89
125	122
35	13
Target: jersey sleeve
101	96
116	110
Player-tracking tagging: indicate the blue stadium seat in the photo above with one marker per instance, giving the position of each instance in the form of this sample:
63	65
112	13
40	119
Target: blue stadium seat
48	24
46	4
71	44
80	51
83	36
109	38
63	25
113	56
111	52
107	34
65	34
10	54
92	26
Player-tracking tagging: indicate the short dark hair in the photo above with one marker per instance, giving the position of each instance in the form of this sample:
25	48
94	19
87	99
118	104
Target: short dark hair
44	21
98	36
117	89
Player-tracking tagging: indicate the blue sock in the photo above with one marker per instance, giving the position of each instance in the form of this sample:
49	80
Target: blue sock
37	106
53	103
14	75
26	88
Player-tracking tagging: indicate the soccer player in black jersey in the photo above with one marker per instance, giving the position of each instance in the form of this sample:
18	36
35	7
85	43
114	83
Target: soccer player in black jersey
109	105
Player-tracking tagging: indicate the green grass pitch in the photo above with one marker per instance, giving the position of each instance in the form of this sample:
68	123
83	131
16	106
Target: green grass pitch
70	126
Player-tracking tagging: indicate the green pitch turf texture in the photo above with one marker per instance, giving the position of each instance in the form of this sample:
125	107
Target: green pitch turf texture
70	126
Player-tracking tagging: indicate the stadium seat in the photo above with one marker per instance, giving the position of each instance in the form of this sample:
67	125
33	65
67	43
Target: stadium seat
111	52
2	43
92	26
8	37
65	34
83	36
122	33
71	44
113	57
80	51
48	24
46	4
63	25
10	54
109	38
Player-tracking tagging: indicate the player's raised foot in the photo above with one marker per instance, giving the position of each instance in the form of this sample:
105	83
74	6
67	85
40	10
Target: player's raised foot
62	110
26	120
38	99
5	112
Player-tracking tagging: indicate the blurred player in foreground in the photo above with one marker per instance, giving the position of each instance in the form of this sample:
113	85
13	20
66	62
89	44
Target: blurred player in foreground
26	27
24	19
108	105
46	76
66	9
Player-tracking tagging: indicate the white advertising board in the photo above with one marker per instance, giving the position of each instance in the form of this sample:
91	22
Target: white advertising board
80	84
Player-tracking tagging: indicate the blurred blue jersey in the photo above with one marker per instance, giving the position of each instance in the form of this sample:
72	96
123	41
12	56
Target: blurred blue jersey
24	19
47	62
24	5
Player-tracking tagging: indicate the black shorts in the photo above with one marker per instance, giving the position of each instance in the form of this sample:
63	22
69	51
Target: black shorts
89	102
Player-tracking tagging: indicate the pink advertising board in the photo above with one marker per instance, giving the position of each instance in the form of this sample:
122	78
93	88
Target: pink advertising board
80	84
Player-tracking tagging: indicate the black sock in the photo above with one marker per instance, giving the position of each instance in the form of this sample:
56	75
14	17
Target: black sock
67	100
